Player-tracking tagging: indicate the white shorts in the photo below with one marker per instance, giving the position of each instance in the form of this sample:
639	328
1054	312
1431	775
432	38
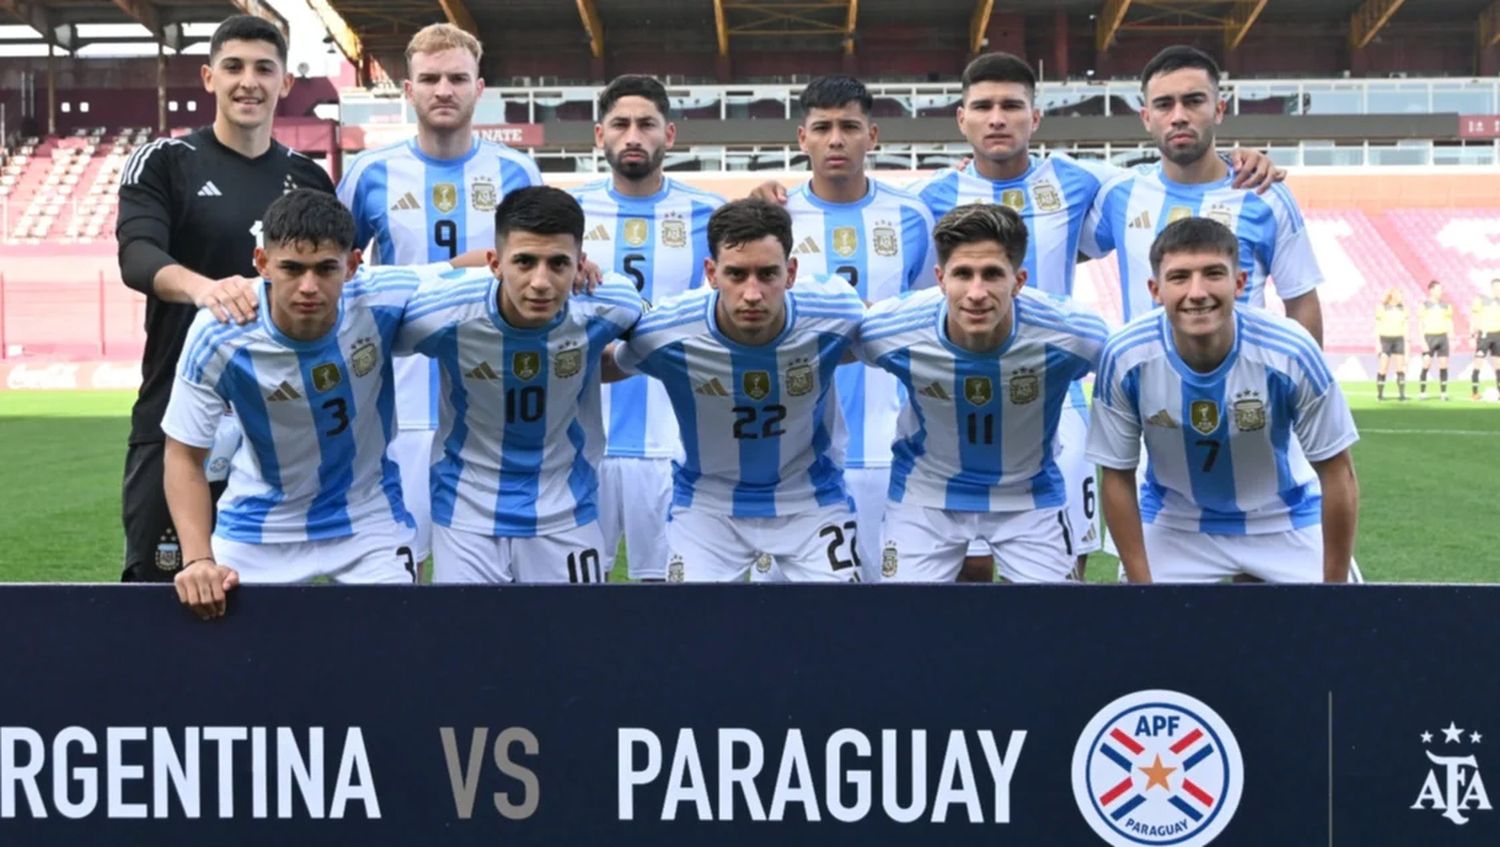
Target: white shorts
373	556
870	490
1179	555
923	544
411	450
574	555
817	546
634	498
1085	525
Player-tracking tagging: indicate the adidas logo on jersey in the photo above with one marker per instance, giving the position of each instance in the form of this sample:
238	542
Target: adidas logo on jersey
1141	221
598	233
483	370
285	391
935	391
808	245
406	203
210	190
1163	418
711	388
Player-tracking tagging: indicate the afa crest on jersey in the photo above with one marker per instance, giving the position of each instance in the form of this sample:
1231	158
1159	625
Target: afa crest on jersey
482	195
1025	386
445	196
326	376
674	231
978	390
1220	213
568	362
1249	411
887	242
845	241
526	364
1047	197
637	230
364	357
756	384
1205	416
799	379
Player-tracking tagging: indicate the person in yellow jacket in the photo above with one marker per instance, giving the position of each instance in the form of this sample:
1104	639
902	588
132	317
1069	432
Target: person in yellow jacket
1436	317
1485	323
1390	325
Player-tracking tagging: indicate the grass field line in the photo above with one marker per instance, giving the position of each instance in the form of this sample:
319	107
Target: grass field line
1376	431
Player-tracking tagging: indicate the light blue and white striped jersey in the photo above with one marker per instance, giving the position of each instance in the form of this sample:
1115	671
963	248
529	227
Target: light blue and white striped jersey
1227	451
418	209
882	244
761	430
1052	197
977	431
317	415
660	243
521	434
1137	205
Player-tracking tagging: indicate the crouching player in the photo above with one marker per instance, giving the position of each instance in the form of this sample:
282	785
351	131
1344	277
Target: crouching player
748	363
1233	403
310	492
987	368
514	492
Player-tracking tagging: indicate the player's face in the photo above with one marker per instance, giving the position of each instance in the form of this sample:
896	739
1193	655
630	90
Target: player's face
837	140
998	120
536	275
306	281
1198	290
635	137
246	78
444	87
752	280
1182	108
981	285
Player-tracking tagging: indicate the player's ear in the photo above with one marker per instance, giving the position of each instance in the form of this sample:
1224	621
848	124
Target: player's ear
286	84
802	137
791	270
1239	283
710	273
938	272
1020	282
478	86
206	73
406	88
874	135
1155	290
492	261
356	256
671	133
599	135
261	262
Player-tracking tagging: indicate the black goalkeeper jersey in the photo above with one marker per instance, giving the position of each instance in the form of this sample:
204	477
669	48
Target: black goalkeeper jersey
192	201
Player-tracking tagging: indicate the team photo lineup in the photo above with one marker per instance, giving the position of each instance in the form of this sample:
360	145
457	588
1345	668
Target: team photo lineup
441	359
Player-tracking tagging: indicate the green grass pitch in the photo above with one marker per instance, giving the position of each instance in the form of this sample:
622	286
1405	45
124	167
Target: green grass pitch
1427	474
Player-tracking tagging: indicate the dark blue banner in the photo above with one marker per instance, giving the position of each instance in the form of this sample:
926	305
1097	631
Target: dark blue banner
750	715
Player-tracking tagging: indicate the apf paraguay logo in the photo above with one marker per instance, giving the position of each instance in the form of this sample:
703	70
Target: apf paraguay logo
1157	768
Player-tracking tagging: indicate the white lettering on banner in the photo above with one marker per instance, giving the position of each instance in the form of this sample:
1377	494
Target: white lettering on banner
742	774
53	376
110	376
174	770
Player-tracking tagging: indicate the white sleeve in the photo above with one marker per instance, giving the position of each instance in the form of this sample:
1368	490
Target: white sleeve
193	413
1114	427
1323	425
1294	265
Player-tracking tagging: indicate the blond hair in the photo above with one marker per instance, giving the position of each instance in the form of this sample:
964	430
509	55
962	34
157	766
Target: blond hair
435	38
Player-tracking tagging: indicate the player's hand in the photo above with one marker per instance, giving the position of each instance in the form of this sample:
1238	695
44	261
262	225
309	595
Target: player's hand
963	163
770	191
233	298
203	586
1254	169
589	276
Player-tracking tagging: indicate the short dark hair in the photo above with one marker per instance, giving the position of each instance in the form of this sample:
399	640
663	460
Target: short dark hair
541	210
978	222
1177	57
743	221
1194	235
1433	283
247	28
833	91
1000	67
308	216
635	85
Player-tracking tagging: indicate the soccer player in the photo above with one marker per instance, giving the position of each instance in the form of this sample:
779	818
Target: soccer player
1437	326
1182	108
987	369
190	217
430	199
513	494
748	363
1390	327
877	238
1485	322
311	493
1247	433
654	230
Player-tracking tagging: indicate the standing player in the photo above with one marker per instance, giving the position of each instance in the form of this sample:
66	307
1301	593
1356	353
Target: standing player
748	364
653	230
987	370
189	223
1485	322
1437	326
1183	106
311	493
429	199
1390	327
1233	404
513	494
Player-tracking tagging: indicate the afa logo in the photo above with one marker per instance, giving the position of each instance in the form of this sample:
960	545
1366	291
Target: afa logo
1157	768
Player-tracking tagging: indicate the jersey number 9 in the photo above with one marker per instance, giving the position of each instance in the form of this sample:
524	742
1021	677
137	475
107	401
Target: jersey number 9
445	234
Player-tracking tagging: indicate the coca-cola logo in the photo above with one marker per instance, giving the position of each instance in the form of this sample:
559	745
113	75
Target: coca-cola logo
42	377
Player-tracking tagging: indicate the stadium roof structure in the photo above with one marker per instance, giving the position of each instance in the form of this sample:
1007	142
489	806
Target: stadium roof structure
379	29
70	25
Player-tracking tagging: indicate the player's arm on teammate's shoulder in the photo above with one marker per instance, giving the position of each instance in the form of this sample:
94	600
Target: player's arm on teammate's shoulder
1122	514
1254	170
1307	309
609	366
1340	489
770	191
202	584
